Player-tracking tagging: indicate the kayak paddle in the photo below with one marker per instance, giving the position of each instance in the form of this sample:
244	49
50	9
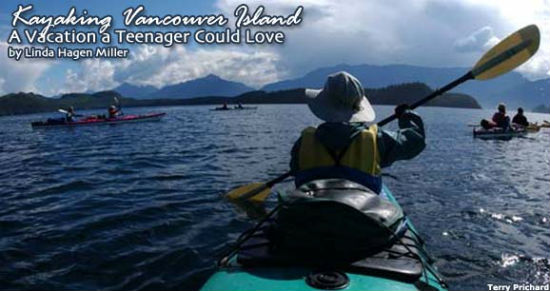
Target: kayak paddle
118	105
65	112
255	192
507	55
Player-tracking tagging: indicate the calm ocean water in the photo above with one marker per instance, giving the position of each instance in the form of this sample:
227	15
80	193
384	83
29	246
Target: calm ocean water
137	206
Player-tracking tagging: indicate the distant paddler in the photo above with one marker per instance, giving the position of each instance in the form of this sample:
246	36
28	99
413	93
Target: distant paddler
113	111
519	119
507	55
500	119
224	107
70	114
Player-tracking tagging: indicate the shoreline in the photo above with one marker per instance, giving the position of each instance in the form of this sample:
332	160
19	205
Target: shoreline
218	104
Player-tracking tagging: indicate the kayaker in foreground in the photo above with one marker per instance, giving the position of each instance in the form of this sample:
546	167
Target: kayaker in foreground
346	145
113	111
520	119
500	119
323	234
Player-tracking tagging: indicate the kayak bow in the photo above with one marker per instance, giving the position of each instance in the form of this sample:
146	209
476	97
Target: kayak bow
394	269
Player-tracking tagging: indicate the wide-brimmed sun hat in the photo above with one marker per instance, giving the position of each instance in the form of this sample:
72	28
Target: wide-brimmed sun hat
341	100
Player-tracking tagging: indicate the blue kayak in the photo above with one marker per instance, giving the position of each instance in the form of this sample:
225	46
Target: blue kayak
403	266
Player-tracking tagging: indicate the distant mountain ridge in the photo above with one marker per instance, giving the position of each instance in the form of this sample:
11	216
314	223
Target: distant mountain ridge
134	91
505	88
529	94
412	92
512	88
22	103
210	85
25	103
541	109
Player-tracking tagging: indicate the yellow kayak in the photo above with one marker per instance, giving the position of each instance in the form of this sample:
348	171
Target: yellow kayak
533	127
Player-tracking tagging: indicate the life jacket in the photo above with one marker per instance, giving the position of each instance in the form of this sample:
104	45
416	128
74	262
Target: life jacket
520	119
500	119
358	162
69	116
113	112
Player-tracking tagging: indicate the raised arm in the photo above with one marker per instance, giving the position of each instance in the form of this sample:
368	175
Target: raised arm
403	144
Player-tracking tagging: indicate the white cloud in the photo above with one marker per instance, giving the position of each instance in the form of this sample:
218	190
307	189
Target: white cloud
17	76
417	32
512	15
94	75
479	41
538	67
159	66
373	32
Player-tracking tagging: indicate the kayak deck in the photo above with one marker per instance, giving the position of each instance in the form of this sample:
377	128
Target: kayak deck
399	274
98	121
499	133
285	279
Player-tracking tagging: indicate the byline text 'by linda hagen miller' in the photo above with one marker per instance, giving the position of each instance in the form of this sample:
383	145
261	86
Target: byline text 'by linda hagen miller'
76	53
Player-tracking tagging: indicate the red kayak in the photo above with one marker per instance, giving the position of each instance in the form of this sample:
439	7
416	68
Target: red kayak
92	120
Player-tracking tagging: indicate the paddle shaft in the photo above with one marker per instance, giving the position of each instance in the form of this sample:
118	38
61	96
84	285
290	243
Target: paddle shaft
504	57
119	105
466	77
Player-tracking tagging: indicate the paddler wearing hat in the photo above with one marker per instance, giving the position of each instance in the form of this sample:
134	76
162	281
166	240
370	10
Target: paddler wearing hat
347	145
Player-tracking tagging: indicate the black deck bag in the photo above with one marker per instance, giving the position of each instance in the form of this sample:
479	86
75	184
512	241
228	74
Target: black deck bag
336	219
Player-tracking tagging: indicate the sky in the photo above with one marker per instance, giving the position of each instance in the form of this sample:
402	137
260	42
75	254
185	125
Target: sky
433	33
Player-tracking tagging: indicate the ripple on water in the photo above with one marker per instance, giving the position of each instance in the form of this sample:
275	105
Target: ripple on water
138	206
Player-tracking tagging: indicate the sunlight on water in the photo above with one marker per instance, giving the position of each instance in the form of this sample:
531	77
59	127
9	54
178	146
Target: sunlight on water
508	260
137	206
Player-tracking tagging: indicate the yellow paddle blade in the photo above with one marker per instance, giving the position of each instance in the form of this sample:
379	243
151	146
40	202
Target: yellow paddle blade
533	127
254	192
508	54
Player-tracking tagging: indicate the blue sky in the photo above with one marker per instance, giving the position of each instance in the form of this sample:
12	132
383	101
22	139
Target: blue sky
55	73
437	33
